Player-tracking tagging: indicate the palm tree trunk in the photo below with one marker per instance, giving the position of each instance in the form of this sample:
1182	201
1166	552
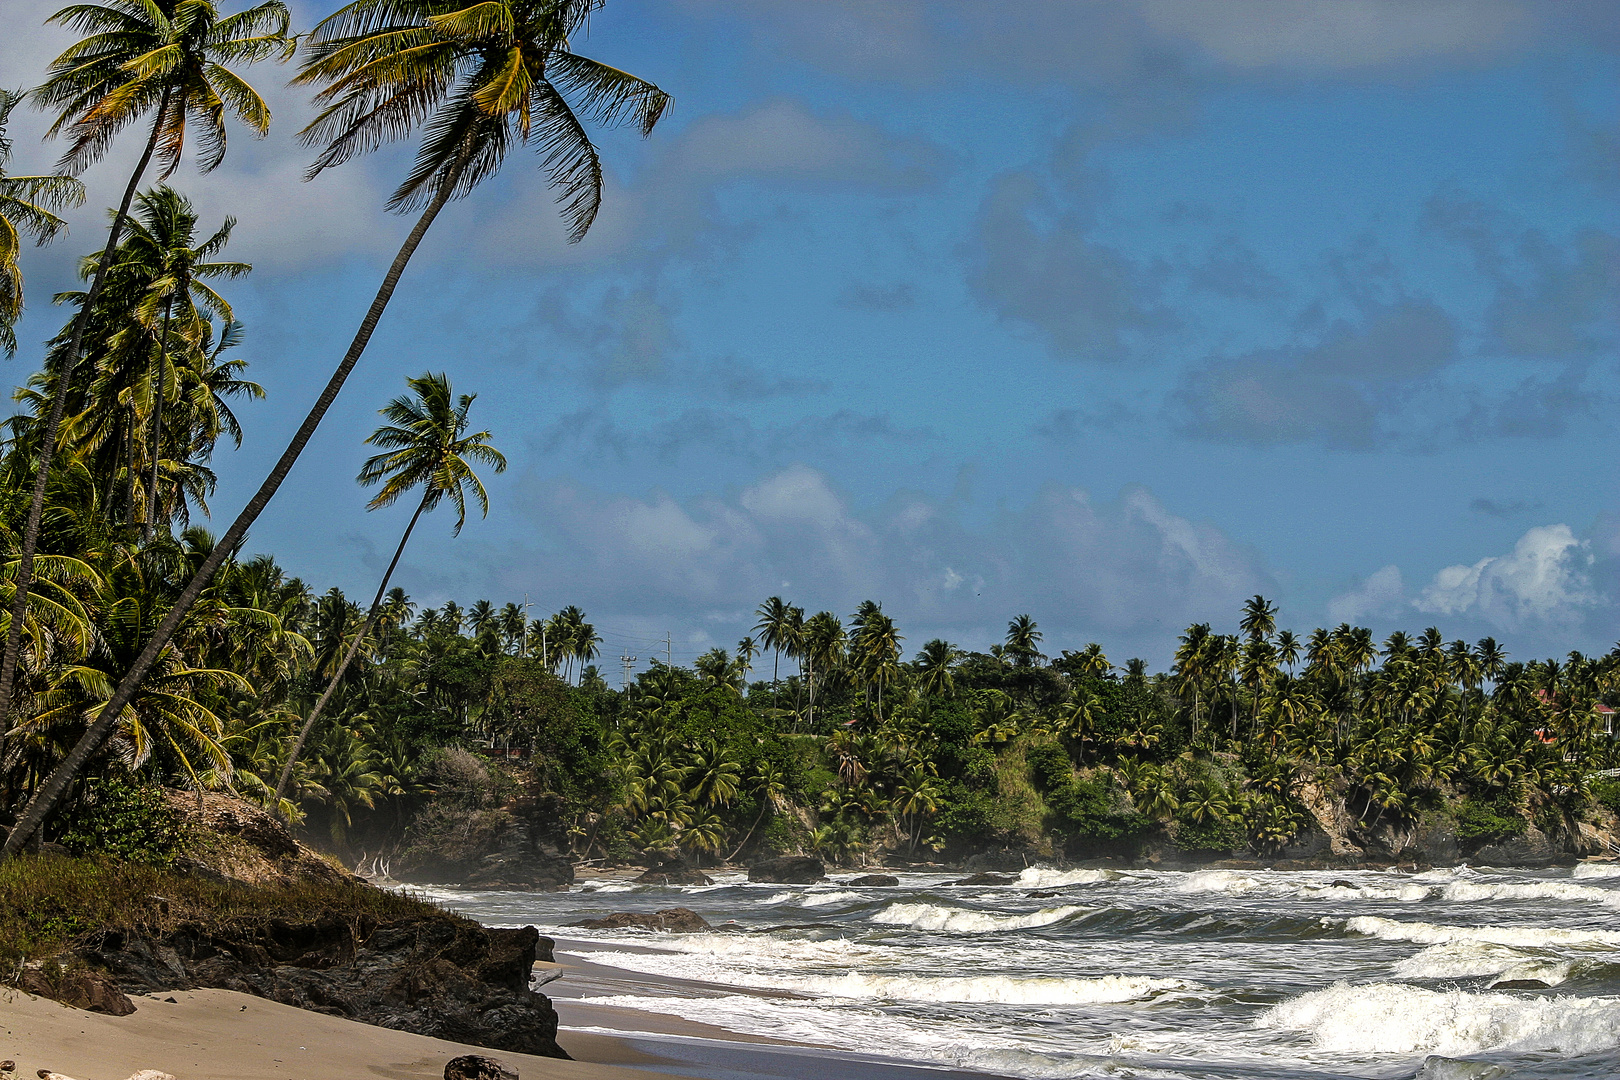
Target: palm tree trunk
44	799
157	419
348	658
47	445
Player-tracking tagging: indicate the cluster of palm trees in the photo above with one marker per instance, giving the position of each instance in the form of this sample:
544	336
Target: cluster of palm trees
476	80
867	653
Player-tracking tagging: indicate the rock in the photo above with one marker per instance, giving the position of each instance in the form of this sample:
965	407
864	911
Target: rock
675	920
675	872
1003	861
1520	984
88	990
874	881
1341	883
435	975
985	879
150	1074
1041	894
1436	1067
476	1067
788	870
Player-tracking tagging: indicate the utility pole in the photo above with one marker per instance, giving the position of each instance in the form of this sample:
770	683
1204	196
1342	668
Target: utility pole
624	684
523	639
669	650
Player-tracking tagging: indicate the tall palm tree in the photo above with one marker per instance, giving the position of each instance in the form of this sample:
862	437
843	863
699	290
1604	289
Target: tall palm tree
167	58
772	628
426	445
1023	641
26	208
162	232
934	661
481	79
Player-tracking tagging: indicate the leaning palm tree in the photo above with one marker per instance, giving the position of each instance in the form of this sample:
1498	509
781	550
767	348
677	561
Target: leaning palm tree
166	58
480	80
26	205
427	446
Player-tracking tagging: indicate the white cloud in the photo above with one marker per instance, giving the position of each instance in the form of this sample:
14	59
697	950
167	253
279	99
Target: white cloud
1382	595
1337	33
1544	579
1126	570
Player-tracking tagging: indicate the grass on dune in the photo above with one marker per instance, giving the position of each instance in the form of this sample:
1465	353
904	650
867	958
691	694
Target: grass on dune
50	902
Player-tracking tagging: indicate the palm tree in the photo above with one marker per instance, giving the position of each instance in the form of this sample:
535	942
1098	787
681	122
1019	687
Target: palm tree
481	79
26	205
934	663
166	57
823	647
1023	641
772	628
426	445
161	234
1259	618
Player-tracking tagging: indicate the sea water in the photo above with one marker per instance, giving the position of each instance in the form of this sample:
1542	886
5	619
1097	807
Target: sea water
1138	973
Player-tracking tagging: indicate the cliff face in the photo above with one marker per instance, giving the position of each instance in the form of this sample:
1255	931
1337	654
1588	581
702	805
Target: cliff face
432	975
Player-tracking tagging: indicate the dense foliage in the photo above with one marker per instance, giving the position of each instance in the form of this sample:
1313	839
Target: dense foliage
449	714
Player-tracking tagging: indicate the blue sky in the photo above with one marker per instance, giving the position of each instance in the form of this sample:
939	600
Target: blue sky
1112	313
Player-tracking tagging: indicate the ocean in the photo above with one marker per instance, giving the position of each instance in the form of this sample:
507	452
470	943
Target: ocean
1455	974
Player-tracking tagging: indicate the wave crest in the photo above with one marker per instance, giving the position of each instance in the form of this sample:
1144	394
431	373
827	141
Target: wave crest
964	921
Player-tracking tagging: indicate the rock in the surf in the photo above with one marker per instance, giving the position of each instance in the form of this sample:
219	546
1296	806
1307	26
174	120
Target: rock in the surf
477	1067
985	879
788	870
675	920
674	873
1520	984
885	881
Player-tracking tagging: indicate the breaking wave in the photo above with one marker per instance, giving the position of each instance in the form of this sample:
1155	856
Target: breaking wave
1387	1018
1532	937
963	921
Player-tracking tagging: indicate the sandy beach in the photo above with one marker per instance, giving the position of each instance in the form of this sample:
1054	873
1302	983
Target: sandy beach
222	1035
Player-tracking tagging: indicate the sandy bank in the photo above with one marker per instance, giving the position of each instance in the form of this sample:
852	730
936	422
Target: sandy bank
221	1035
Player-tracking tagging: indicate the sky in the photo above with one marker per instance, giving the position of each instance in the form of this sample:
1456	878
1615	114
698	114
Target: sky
1112	313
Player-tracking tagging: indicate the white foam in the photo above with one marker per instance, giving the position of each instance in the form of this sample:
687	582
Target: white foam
1044	877
1587	870
822	899
963	921
1387	1018
1532	937
1474	959
780	898
1219	881
997	989
1470	891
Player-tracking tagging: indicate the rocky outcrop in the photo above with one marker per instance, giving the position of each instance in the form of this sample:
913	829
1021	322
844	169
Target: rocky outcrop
788	870
514	846
88	990
433	975
985	879
873	881
674	872
1327	807
477	1067
675	920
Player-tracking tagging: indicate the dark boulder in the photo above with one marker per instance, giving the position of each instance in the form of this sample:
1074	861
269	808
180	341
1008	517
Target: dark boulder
873	881
477	1067
528	871
441	976
788	870
88	990
674	872
1520	984
986	879
1041	894
675	920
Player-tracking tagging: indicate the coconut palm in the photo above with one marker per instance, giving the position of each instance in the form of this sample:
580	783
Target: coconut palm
772	629
426	446
26	208
934	662
167	58
1023	641
480	80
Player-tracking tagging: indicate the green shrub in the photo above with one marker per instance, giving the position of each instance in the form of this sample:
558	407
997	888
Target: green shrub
1086	809
1606	793
123	820
777	836
965	816
1486	822
1211	834
1049	766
